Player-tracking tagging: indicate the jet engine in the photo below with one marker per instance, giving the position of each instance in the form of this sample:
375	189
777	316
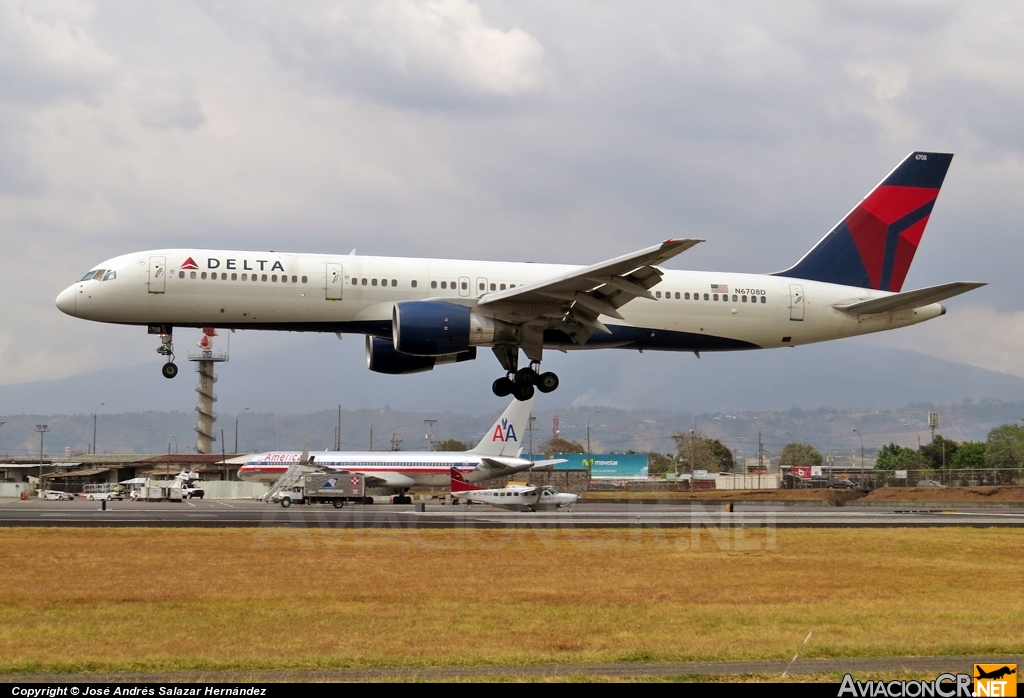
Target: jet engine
435	328
381	357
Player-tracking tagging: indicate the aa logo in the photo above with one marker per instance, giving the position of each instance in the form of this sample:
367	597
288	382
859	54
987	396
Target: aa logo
995	680
504	431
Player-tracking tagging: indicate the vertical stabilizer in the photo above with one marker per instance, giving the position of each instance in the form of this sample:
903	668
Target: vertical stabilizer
505	435
459	484
873	246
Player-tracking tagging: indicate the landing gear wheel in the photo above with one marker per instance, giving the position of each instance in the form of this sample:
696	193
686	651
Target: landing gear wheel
367	500
402	499
503	387
547	382
523	392
338	503
170	369
526	376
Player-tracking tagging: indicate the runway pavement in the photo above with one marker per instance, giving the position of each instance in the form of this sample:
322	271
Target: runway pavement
247	513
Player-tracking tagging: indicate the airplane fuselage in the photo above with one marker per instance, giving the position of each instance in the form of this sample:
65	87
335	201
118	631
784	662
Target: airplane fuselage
386	470
691	311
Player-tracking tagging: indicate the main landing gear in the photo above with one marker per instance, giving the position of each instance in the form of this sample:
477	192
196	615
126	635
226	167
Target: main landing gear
166	348
521	383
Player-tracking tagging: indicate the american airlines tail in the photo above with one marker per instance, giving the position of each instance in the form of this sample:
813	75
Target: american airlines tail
503	439
873	246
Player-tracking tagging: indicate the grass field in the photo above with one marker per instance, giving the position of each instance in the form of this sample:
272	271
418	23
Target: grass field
166	599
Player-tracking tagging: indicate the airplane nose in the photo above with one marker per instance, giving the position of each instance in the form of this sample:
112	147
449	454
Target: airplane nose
66	301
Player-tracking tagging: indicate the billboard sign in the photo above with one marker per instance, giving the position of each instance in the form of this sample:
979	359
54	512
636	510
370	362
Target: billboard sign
803	471
606	465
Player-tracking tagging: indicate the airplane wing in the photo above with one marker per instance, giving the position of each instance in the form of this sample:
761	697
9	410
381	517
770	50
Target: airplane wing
580	296
545	463
385	479
909	299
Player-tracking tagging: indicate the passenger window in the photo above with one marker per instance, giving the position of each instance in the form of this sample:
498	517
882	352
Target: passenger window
744	298
465	286
181	275
511	285
503	287
192	275
363	282
494	287
677	295
203	275
657	294
482	287
414	283
706	297
394	282
355	281
686	295
451	285
224	276
734	299
433	284
305	279
295	279
444	284
263	277
274	277
234	276
373	282
714	297
763	299
245	277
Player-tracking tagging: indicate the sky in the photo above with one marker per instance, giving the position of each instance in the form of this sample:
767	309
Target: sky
523	131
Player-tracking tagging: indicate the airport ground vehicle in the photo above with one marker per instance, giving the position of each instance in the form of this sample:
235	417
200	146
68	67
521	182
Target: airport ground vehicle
57	495
320	488
192	491
96	496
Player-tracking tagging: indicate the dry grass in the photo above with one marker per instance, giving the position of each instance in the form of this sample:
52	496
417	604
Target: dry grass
807	495
165	599
947	494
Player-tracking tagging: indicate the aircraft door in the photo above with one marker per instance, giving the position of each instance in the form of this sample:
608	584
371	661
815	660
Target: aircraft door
796	302
481	286
464	286
335	281
157	274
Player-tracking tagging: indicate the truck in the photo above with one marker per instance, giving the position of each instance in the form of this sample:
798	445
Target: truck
320	488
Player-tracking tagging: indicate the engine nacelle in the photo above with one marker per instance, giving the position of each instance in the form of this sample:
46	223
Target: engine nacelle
435	328
381	357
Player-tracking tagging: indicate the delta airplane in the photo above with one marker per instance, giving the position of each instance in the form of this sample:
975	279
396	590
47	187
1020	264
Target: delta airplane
514	497
394	472
420	313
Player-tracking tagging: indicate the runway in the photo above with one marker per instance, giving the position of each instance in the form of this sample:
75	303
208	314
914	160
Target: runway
251	514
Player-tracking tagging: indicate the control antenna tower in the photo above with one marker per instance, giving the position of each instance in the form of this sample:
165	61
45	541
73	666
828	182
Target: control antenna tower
205	358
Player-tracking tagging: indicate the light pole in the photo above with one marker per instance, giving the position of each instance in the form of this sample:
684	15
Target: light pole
861	451
94	426
42	429
236	428
529	428
2	423
590	454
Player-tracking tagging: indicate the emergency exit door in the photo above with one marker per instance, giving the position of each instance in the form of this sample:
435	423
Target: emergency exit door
796	302
335	281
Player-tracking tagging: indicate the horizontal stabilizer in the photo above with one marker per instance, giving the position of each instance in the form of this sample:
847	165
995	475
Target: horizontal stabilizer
546	463
909	299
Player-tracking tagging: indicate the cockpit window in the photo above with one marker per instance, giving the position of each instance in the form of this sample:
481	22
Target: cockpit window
110	275
89	276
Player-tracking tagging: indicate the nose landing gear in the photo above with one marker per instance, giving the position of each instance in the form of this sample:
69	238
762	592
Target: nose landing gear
166	348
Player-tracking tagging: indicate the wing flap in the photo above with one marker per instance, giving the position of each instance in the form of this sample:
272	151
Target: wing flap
909	299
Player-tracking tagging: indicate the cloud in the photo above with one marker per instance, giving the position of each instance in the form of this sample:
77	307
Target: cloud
169	102
438	53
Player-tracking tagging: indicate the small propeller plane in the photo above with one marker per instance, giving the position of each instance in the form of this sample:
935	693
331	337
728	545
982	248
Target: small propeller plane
514	497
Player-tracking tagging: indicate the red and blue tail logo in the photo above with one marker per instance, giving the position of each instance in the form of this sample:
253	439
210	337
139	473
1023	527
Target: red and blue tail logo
874	245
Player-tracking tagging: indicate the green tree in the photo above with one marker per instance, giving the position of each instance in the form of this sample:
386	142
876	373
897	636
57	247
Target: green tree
970	456
896	457
940	452
1005	448
560	445
800	454
452	445
659	463
698	452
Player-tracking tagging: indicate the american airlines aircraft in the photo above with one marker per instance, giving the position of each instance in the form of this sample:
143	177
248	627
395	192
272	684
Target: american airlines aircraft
421	313
394	472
